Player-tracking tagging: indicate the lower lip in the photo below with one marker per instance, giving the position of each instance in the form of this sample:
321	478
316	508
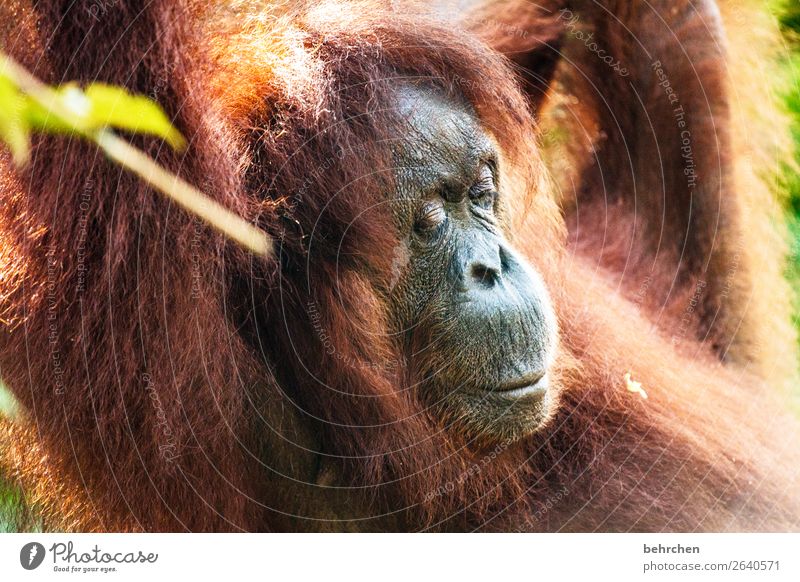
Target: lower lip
537	387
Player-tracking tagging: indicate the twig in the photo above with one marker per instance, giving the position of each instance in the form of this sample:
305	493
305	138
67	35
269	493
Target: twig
135	160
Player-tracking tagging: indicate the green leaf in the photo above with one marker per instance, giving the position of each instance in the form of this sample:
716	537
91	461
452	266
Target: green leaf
14	130
115	107
43	119
9	407
68	109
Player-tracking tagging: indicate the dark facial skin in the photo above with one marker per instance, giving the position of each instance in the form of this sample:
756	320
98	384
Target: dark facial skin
474	316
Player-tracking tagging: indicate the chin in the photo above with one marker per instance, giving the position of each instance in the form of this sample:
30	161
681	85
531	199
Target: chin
490	417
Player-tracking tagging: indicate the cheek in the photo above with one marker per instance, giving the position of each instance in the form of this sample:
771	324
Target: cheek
548	321
420	280
401	260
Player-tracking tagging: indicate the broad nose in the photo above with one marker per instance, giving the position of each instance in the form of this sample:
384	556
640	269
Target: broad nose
484	268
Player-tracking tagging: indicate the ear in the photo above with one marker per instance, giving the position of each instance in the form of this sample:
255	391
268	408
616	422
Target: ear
634	105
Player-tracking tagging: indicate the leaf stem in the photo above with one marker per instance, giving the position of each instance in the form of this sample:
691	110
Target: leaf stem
135	160
183	193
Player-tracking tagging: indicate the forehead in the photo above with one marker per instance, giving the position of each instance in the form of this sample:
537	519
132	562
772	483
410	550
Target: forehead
442	140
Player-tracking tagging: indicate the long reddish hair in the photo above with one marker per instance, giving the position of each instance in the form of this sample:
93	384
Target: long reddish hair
156	362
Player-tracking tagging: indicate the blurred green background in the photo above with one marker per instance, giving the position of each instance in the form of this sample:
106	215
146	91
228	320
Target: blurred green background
788	180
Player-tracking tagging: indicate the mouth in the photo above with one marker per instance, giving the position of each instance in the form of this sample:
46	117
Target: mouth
533	383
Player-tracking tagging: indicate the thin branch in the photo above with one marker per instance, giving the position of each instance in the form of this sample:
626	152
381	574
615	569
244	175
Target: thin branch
183	193
135	160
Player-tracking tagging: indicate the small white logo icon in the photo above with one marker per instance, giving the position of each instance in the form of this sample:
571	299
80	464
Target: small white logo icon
31	555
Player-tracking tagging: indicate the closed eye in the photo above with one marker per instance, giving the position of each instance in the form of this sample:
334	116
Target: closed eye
430	218
483	191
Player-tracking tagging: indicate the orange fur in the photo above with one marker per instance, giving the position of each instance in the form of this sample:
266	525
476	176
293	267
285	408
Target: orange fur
203	395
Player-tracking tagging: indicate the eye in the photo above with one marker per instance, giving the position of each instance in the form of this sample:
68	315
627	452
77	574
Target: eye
483	192
430	217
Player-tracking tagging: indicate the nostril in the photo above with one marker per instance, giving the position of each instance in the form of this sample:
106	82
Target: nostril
483	275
